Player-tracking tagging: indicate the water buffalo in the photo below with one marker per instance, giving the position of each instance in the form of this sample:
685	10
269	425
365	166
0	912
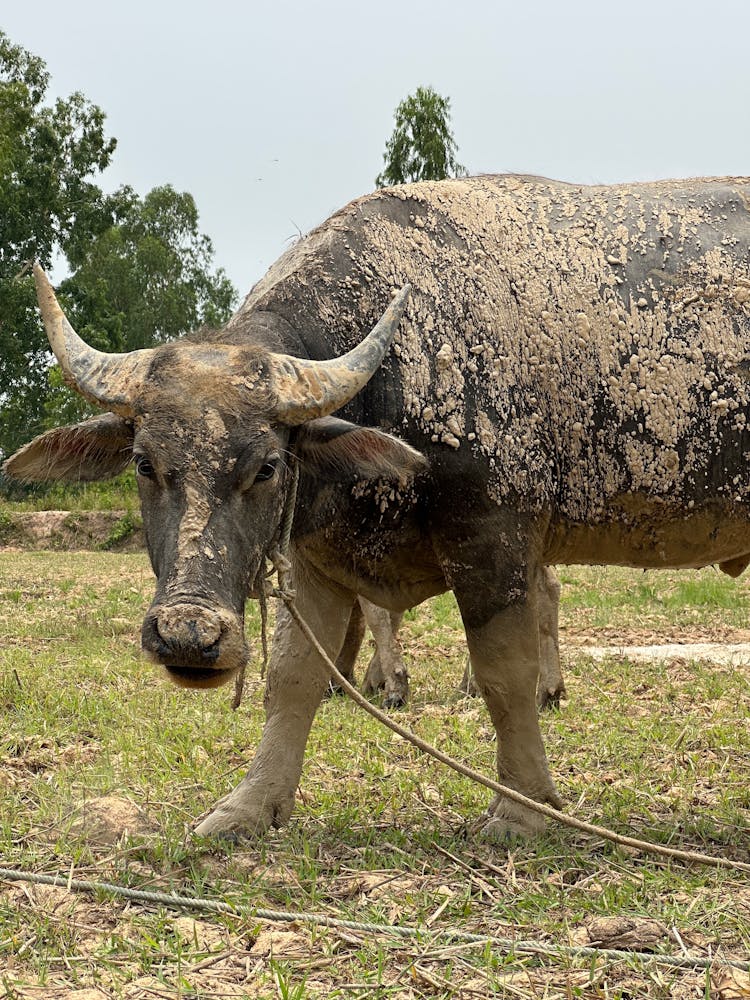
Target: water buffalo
387	671
571	377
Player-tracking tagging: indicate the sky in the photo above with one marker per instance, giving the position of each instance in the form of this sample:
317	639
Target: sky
273	115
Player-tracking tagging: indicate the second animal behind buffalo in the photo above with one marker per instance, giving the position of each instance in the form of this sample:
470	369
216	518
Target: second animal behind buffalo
387	671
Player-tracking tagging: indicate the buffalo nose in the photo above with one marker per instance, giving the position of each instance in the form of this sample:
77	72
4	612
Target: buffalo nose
183	626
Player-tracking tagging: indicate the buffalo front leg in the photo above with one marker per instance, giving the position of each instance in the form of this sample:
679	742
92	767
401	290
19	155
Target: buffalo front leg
297	680
550	686
505	659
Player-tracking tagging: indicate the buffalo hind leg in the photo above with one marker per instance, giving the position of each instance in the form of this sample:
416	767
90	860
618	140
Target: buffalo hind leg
551	686
347	658
297	680
387	670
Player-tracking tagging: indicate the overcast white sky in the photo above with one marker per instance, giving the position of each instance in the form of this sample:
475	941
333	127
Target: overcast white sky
275	114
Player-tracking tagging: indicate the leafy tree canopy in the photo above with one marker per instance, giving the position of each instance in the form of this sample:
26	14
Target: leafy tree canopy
140	269
421	147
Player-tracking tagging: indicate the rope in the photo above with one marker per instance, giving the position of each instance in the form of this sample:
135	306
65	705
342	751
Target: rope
505	790
172	901
291	504
262	586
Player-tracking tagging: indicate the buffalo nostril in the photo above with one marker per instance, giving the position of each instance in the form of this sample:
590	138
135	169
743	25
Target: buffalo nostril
188	628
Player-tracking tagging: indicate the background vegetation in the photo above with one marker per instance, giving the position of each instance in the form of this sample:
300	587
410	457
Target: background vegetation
137	269
421	146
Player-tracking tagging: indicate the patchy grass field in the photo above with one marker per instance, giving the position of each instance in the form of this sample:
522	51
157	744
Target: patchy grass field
105	767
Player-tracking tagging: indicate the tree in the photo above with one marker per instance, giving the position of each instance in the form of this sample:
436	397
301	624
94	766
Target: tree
140	270
145	279
421	147
47	157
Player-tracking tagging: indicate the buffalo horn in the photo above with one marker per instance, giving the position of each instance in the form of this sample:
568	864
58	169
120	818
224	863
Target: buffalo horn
108	380
309	389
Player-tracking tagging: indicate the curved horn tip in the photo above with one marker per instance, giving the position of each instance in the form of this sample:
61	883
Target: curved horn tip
106	380
47	299
42	282
401	297
393	313
40	276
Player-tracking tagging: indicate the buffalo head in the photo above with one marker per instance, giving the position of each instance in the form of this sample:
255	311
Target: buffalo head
211	428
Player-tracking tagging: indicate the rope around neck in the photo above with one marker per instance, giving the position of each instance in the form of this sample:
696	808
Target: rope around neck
282	566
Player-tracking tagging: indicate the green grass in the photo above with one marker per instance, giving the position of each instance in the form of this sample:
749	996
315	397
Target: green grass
120	493
616	597
657	750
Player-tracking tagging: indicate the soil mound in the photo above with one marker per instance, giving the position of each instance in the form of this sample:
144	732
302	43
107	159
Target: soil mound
64	530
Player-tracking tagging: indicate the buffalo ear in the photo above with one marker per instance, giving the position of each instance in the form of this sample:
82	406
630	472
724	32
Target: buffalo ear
334	449
98	448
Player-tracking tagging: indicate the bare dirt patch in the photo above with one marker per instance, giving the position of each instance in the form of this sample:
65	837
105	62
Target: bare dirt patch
574	634
712	652
64	530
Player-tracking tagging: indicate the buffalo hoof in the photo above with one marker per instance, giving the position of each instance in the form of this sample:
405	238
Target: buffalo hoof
395	685
394	699
548	699
506	821
245	813
513	824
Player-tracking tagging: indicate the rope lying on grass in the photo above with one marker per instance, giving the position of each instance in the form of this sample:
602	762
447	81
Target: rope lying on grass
394	930
287	596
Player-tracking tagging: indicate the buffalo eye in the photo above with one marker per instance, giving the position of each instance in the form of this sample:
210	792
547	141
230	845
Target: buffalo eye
143	467
266	471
